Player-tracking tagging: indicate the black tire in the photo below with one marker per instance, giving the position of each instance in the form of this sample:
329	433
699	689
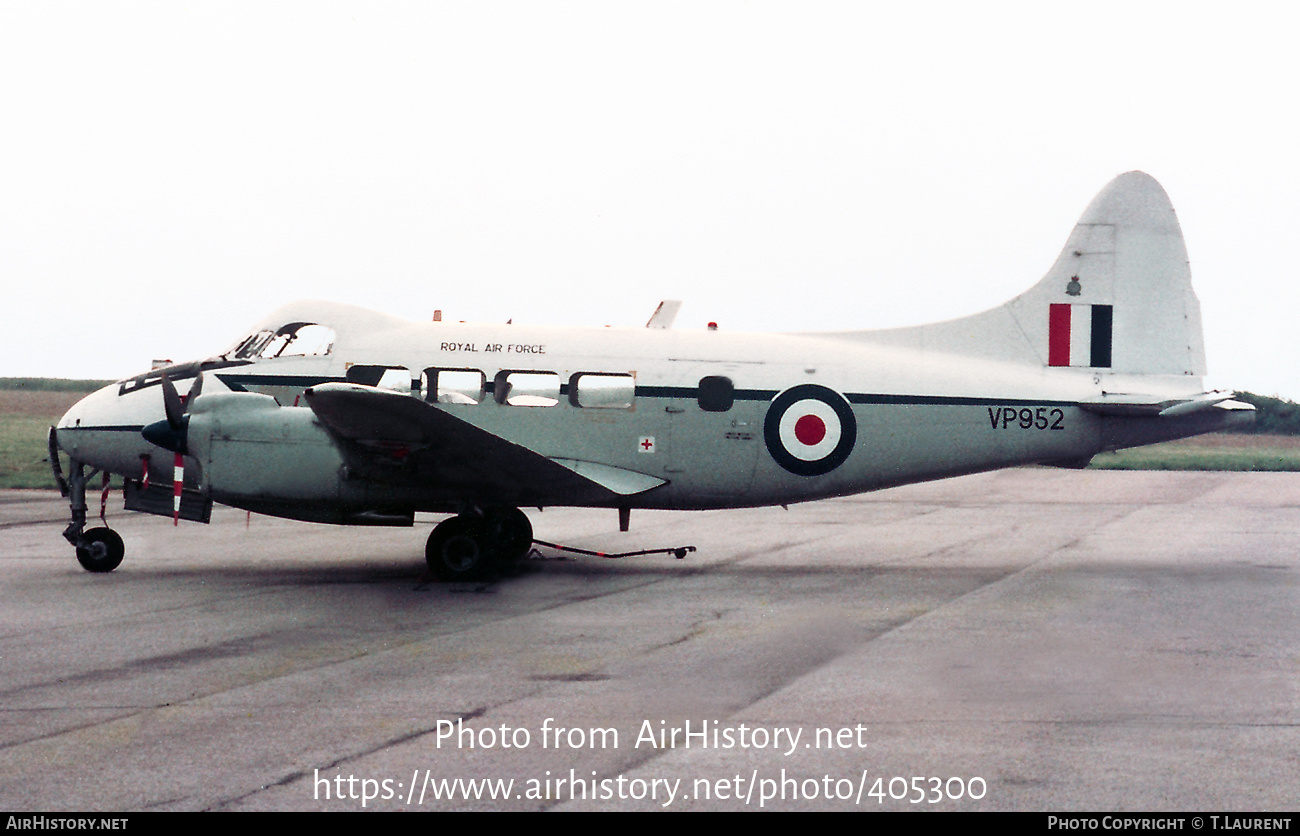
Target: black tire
511	535
458	550
100	550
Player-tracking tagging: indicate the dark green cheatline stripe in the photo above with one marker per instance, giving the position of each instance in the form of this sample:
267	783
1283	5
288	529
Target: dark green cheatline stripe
691	392
946	400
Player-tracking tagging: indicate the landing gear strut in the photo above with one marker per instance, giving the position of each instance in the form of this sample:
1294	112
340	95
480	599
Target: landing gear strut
99	549
477	545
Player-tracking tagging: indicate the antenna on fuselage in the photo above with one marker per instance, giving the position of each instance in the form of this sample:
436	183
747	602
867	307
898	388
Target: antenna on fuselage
664	315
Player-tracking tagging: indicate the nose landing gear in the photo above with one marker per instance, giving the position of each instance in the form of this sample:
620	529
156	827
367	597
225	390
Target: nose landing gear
99	549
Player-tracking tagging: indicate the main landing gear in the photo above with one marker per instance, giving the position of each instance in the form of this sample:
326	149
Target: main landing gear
476	546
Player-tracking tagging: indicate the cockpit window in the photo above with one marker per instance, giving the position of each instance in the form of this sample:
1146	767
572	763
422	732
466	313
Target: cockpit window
297	339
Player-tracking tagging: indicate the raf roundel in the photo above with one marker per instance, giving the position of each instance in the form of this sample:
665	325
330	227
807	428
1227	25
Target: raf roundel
810	430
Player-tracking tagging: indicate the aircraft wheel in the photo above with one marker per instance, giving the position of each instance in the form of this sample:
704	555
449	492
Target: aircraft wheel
511	534
100	550
457	550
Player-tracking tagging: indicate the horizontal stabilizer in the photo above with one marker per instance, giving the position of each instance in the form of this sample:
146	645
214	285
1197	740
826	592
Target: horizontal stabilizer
1129	405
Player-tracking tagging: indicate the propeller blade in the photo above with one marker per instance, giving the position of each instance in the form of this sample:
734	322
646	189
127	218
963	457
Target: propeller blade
178	424
172	405
178	478
195	390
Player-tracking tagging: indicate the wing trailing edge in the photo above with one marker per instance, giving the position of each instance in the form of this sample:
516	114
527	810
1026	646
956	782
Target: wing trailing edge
615	479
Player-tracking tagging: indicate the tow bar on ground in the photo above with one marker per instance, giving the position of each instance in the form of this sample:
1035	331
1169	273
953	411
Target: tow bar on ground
678	552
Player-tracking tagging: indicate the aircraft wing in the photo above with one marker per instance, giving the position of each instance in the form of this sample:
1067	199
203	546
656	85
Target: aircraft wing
395	438
1130	406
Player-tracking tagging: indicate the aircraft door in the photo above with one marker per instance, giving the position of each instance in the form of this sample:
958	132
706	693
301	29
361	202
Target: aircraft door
714	440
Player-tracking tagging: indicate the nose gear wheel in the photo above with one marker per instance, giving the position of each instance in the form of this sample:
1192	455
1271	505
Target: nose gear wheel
100	550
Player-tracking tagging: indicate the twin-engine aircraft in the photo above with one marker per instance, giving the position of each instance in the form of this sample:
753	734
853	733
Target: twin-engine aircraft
329	413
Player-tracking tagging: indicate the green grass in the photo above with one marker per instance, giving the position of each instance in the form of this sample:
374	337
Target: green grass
28	407
50	384
23	452
1170	457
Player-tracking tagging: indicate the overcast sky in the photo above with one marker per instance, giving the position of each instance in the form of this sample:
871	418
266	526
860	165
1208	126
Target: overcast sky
173	171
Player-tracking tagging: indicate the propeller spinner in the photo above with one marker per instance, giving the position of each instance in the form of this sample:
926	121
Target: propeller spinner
170	433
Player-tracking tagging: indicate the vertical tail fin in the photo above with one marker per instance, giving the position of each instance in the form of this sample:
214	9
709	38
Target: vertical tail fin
1120	295
1118	299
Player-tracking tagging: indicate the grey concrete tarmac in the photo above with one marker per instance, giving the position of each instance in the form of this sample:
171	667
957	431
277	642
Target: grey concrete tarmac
1047	640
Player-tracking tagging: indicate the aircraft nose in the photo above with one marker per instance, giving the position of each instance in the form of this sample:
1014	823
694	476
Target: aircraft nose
103	428
85	411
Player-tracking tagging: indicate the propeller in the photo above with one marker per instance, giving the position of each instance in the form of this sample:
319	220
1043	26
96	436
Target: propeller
196	389
172	433
173	406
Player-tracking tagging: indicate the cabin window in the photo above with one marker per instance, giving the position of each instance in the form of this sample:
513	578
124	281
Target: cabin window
717	394
463	386
394	378
527	388
602	390
297	339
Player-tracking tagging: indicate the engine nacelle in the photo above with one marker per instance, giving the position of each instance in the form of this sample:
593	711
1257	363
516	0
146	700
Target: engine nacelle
251	449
